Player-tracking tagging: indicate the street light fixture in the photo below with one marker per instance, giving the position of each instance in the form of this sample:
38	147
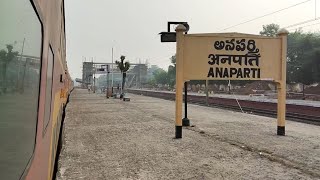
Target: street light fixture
171	36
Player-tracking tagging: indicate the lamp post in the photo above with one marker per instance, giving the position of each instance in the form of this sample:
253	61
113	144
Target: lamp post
172	37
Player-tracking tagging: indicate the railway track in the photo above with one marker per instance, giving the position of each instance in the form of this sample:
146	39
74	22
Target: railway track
300	113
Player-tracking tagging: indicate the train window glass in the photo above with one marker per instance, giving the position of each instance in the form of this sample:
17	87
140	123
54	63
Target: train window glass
20	62
47	113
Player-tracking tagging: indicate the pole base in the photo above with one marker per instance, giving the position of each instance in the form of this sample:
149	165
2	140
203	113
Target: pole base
281	131
178	132
185	122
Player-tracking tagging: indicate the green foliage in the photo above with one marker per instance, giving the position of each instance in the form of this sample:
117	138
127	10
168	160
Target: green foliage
6	56
303	56
172	75
172	72
124	67
160	76
152	82
173	60
166	77
270	30
303	61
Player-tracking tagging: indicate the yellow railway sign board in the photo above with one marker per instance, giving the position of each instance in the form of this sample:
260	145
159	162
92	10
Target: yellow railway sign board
231	56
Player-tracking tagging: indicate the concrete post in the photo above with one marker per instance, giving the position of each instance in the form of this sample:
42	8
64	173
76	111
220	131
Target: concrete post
179	78
281	85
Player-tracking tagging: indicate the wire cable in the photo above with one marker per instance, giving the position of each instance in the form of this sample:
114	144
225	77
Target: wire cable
266	15
303	22
292	28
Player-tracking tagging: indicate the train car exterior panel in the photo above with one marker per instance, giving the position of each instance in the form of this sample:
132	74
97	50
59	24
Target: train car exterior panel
49	126
34	87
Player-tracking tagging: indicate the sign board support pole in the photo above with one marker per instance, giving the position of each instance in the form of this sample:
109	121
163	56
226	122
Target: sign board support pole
108	84
185	120
207	92
179	79
281	85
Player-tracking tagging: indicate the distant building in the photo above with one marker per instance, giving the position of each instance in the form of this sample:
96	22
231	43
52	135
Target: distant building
138	75
87	74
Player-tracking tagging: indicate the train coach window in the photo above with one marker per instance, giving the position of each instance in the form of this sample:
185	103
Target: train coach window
20	62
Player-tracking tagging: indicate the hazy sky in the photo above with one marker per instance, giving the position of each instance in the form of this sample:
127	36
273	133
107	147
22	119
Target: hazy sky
131	27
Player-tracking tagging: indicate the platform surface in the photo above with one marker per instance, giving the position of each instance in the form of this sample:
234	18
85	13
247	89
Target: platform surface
113	139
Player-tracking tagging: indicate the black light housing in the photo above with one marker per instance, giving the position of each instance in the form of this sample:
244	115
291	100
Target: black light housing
168	37
171	36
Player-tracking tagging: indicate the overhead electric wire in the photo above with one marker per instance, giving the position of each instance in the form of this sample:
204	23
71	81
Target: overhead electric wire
265	15
293	26
303	22
305	26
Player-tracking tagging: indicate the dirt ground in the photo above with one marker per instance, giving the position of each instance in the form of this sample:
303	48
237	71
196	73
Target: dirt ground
111	139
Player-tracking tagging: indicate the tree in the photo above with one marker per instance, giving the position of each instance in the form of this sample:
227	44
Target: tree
173	60
160	76
5	58
303	57
270	30
172	71
316	65
166	77
152	82
124	67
